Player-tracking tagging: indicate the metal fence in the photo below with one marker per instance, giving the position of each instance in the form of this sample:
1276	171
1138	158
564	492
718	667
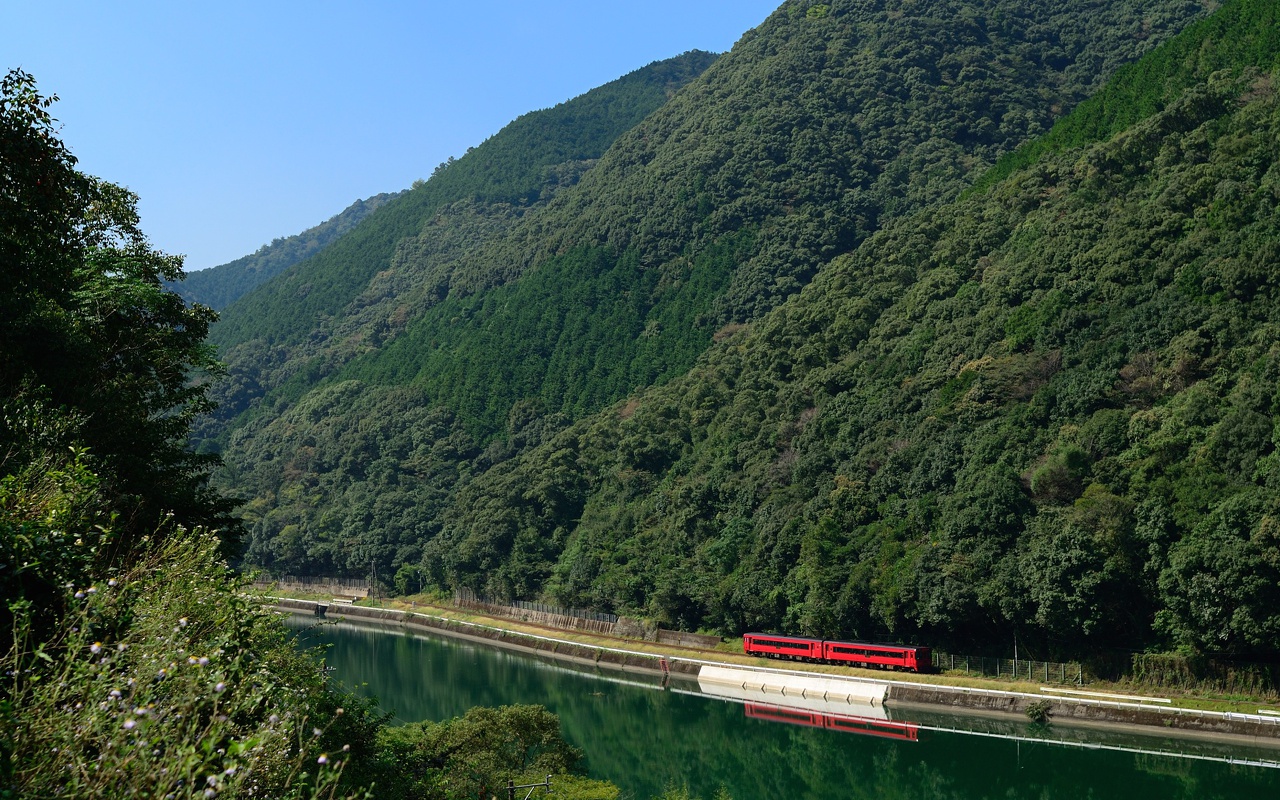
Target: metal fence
543	608
538	613
1021	669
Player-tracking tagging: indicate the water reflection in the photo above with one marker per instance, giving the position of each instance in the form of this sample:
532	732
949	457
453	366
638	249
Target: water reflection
645	739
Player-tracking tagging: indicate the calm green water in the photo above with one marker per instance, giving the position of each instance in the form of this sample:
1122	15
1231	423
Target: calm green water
644	738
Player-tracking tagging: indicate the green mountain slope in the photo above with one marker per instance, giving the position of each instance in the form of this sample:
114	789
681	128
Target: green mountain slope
513	166
493	329
370	283
791	149
1045	409
218	287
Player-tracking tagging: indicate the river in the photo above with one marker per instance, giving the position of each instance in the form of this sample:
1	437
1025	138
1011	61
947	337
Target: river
645	738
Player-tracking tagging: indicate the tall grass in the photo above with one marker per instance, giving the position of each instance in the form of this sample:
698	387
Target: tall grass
164	682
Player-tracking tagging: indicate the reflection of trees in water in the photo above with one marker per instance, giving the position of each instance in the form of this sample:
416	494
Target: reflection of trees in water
645	740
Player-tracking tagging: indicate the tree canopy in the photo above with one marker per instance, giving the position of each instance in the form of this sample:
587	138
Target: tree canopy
101	368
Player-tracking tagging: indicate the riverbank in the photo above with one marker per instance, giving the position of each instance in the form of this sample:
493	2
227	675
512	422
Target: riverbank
1159	715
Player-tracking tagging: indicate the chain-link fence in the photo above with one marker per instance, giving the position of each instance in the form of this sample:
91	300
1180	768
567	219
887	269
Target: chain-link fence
1010	669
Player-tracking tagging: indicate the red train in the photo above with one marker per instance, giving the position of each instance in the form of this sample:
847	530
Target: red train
825	651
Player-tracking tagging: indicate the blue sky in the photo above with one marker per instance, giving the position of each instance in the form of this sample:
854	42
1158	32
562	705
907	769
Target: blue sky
238	122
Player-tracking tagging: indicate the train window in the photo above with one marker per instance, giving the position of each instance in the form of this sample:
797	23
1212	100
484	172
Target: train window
777	643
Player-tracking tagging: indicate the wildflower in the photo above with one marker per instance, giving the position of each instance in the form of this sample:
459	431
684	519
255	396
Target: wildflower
273	719
191	660
210	793
120	647
203	661
79	595
346	748
323	759
129	724
212	781
161	673
219	687
111	582
91	590
316	732
231	770
182	623
114	694
339	711
95	648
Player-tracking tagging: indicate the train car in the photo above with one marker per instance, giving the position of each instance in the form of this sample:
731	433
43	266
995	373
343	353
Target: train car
912	659
792	647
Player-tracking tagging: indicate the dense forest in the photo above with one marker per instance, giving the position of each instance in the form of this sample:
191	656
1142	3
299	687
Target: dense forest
1044	410
354	295
217	287
853	336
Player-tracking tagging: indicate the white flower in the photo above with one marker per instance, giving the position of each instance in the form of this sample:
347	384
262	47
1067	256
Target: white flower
111	582
219	687
182	623
95	648
203	661
129	724
323	759
114	694
79	595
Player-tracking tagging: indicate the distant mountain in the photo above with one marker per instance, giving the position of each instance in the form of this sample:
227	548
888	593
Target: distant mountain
457	327
220	286
792	354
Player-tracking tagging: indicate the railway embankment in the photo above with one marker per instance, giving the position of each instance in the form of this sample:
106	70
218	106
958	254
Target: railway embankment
1051	703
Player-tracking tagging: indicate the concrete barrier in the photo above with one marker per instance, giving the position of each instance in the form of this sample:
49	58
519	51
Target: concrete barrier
826	695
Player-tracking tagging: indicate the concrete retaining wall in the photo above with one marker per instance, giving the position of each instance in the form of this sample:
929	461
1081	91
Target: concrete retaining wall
764	681
1065	708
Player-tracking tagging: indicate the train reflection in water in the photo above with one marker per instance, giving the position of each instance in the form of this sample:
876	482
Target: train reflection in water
900	731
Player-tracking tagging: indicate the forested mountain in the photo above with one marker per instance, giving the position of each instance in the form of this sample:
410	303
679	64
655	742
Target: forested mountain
1047	408
442	423
351	297
217	287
